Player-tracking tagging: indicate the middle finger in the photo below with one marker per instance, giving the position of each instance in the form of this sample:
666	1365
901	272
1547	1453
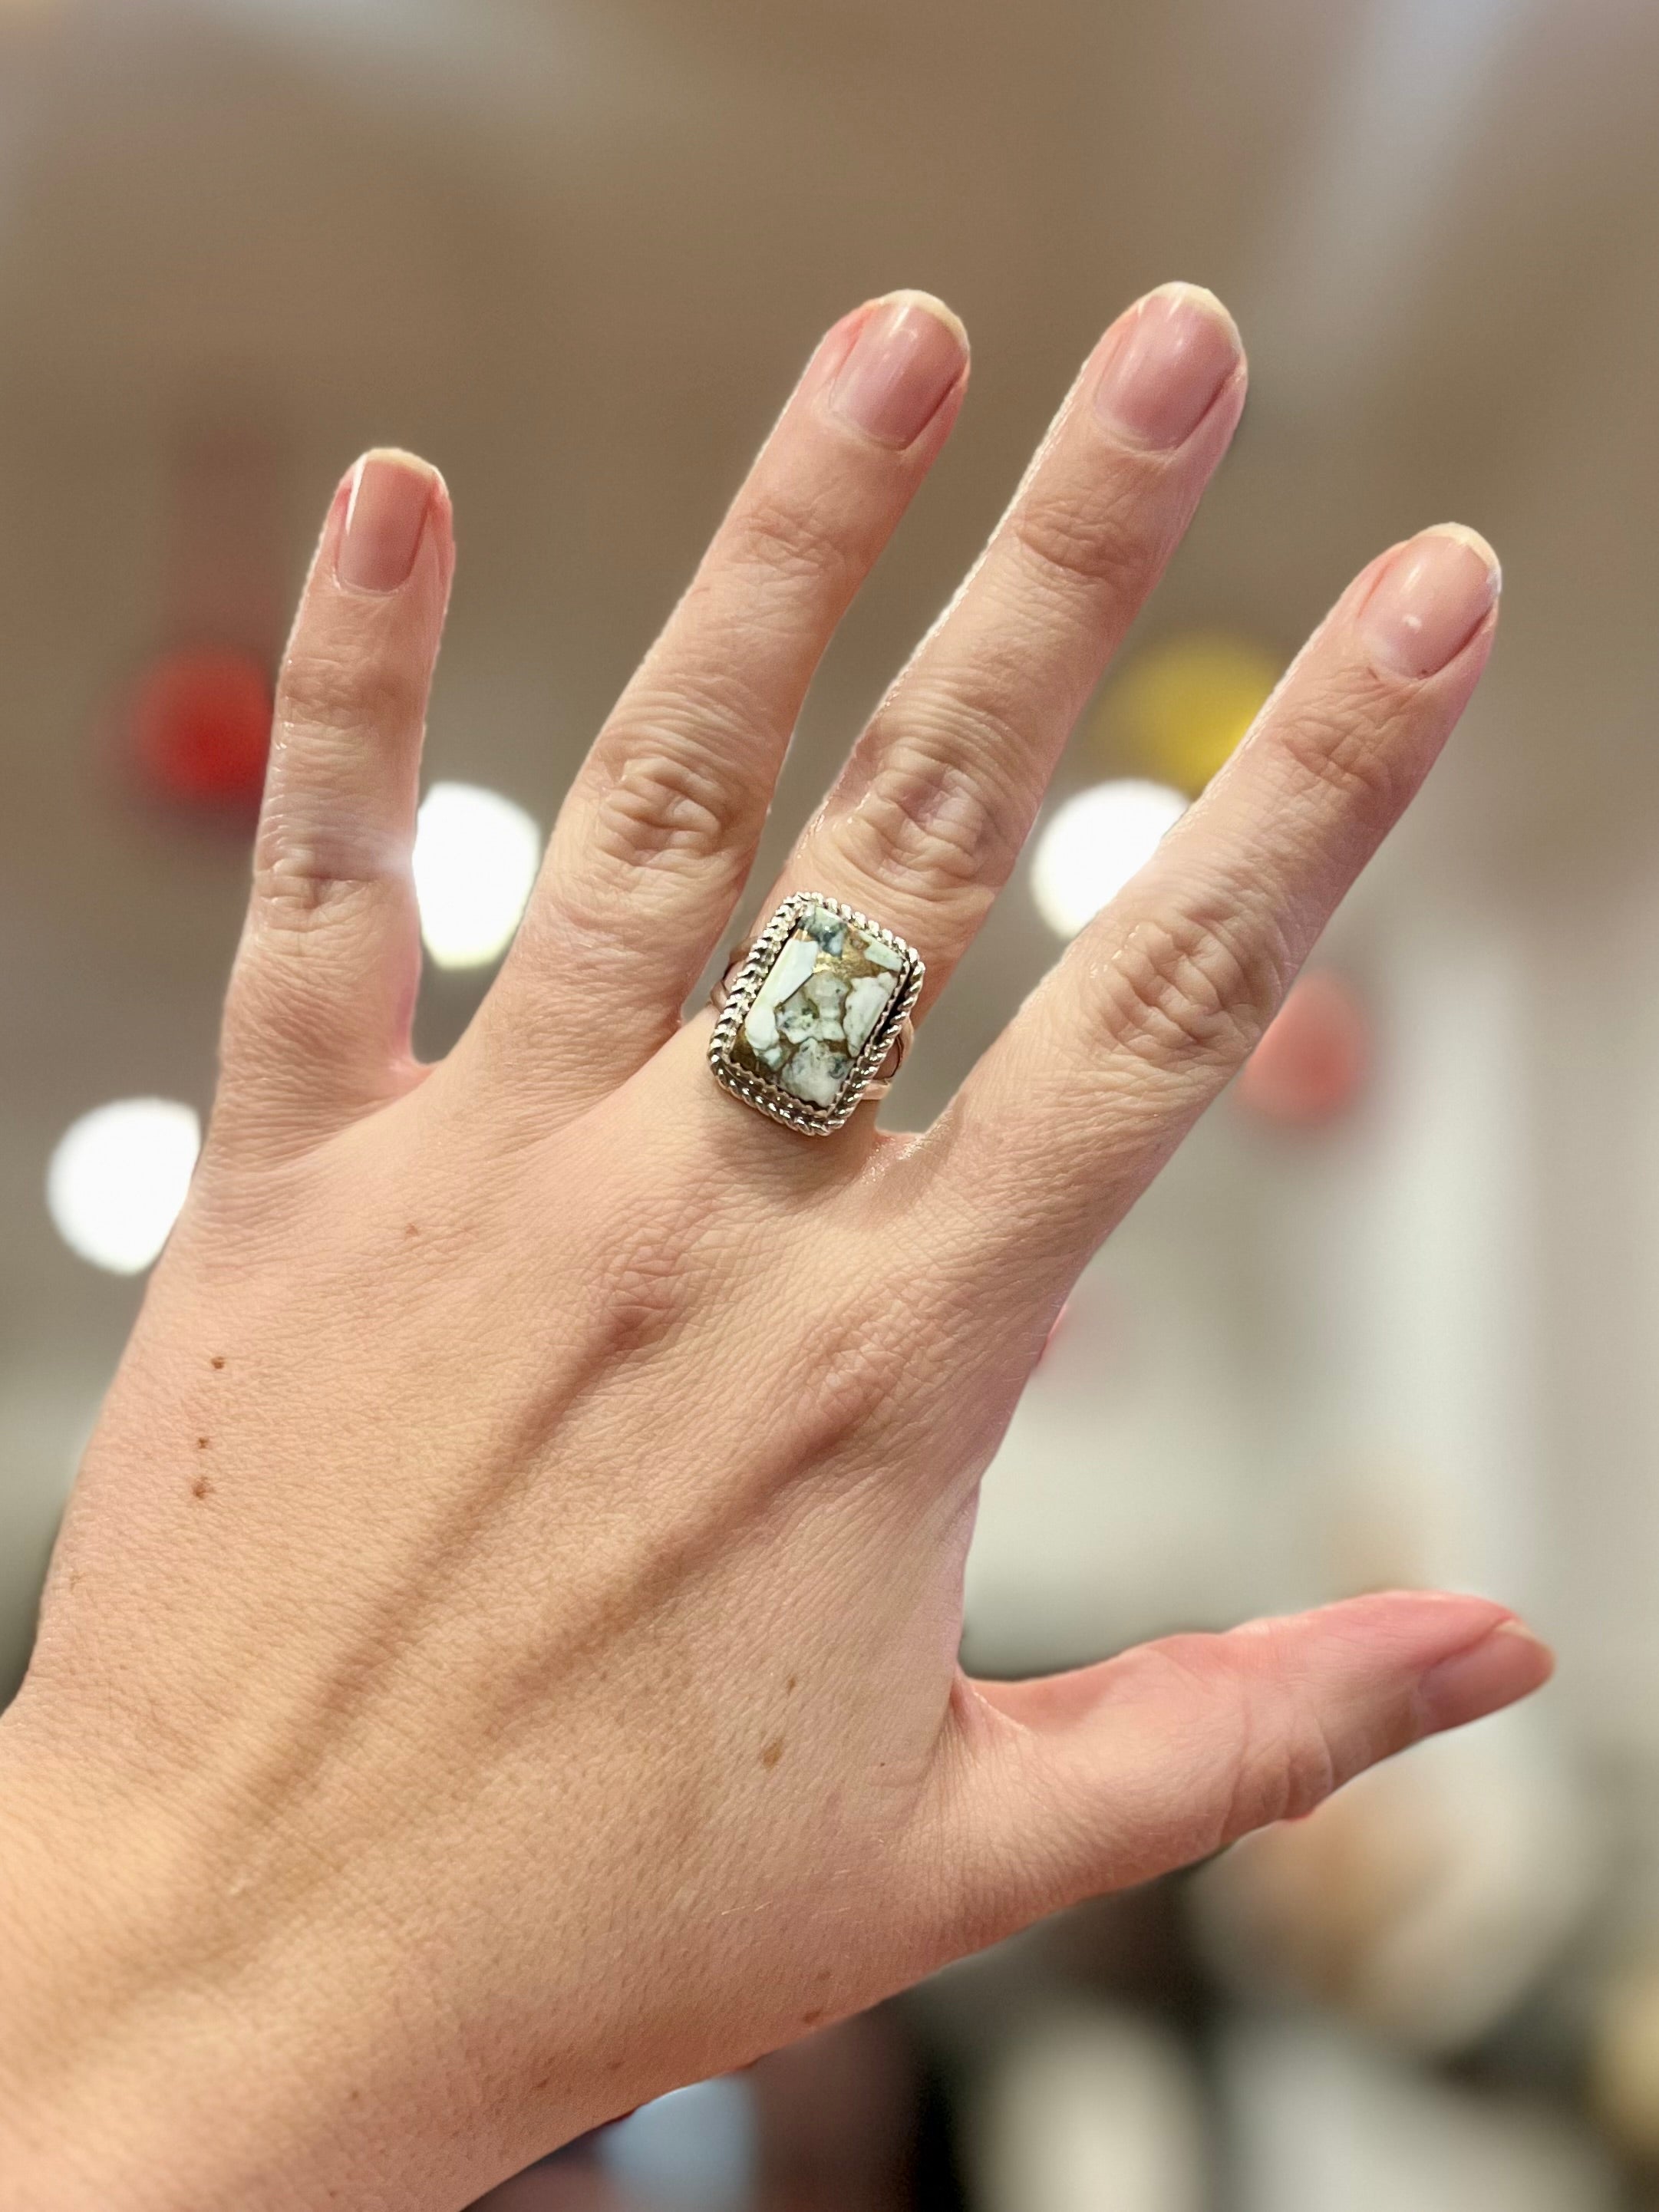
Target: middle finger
928	817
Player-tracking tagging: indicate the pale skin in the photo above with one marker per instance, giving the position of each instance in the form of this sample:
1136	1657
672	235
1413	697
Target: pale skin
500	1661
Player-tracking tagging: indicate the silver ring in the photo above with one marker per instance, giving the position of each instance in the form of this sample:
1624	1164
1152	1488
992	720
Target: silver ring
814	1016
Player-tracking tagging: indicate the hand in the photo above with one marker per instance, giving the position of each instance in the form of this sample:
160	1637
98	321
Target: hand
501	1658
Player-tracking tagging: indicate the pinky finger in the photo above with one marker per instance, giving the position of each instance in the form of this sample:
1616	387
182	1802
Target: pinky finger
317	1023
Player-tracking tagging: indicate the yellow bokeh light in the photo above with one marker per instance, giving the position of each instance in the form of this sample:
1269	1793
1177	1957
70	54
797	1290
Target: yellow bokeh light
1180	708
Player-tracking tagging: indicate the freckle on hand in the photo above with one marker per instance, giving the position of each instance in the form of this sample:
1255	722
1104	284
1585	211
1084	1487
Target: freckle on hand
217	1360
200	1487
772	1752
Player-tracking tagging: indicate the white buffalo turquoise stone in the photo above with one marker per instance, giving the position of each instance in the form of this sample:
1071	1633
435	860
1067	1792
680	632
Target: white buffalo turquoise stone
864	1000
815	1073
817	1006
789	970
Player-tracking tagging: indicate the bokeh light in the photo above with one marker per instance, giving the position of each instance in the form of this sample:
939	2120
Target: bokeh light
117	1178
1312	1063
1181	708
199	723
695	2148
1093	843
475	858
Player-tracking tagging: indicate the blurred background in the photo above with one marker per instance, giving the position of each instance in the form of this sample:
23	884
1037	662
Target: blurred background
1392	1315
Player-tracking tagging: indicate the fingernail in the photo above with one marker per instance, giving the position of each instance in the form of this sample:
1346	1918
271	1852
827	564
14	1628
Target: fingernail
1163	364
385	517
1431	599
1507	1664
908	355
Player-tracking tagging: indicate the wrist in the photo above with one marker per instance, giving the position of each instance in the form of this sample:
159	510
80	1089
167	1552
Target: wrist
139	2068
166	2043
91	2088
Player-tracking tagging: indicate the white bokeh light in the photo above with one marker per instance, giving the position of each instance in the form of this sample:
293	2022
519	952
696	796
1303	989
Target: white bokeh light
1092	844
694	2150
118	1179
475	858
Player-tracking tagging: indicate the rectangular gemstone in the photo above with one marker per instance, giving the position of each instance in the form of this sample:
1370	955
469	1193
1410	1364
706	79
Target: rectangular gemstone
817	1007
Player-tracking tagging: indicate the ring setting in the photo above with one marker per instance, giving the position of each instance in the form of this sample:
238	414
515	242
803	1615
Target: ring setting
814	1016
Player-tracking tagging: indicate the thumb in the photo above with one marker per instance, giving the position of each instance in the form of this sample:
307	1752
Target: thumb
1077	1784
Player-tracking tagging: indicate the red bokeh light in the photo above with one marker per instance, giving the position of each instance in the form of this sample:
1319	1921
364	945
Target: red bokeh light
1312	1063
198	726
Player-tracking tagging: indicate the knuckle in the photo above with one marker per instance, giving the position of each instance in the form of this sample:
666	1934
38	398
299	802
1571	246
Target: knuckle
1310	1769
1284	1760
336	694
935	819
301	888
675	782
1090	541
854	1395
663	802
328	841
785	539
318	859
1189	987
644	1286
1341	750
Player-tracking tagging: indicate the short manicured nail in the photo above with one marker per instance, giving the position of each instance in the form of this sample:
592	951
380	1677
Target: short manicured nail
909	354
1507	1664
1163	364
385	516
1430	598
